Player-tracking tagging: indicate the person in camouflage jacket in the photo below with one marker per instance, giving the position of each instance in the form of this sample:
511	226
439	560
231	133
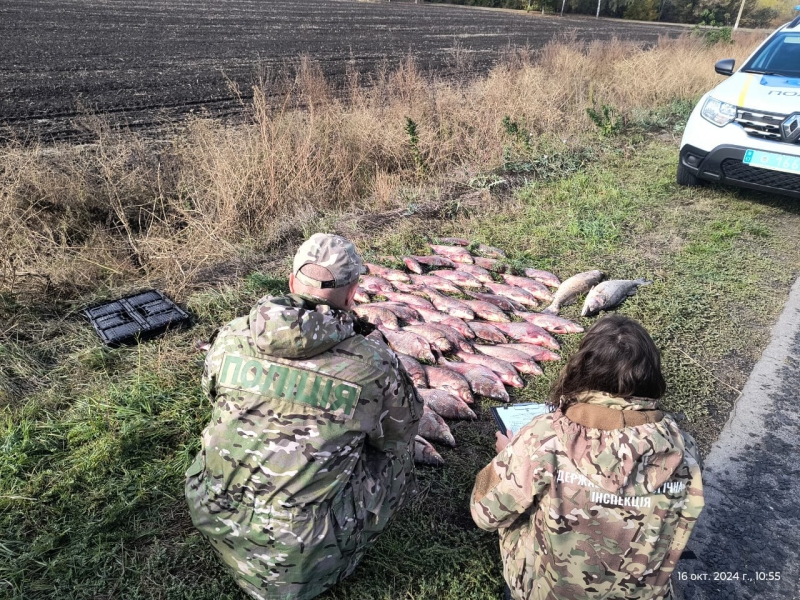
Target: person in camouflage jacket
309	452
597	499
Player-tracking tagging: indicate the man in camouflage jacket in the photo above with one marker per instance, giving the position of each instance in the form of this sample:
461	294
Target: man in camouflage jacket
595	503
310	447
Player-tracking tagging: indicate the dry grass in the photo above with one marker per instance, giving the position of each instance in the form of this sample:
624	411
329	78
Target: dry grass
129	210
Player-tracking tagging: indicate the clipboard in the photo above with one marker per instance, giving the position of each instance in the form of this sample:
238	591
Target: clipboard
516	416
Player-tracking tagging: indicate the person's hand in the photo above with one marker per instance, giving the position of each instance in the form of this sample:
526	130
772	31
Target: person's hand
502	440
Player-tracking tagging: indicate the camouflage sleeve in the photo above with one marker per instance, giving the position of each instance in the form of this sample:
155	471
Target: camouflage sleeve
400	413
512	483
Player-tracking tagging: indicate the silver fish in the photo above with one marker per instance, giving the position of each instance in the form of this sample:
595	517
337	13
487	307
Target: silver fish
516	294
414	369
436	282
435	261
449	305
432	427
500	302
375	284
536	352
412	264
460	278
551	323
491	264
361	296
535	288
377	314
546	277
425	453
449	381
487	311
446	404
521	361
387	273
504	369
477	272
401	311
409	343
611	293
482	380
528	333
453	336
434	316
454	253
433	336
409	299
573	287
488	332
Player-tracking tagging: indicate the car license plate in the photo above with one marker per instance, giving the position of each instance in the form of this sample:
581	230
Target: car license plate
772	161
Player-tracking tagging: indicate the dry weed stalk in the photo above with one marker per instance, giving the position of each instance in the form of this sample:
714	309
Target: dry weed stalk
127	210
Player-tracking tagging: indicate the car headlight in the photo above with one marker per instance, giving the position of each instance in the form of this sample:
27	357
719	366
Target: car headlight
717	112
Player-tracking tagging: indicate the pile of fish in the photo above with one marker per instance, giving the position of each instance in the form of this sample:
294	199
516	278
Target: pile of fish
481	340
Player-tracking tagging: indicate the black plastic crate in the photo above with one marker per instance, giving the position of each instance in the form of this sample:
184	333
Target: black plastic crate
135	318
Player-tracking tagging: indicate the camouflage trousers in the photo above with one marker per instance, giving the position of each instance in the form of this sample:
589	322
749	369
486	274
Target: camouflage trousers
280	554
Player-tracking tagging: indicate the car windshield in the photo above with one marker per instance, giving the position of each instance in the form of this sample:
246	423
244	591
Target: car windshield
779	56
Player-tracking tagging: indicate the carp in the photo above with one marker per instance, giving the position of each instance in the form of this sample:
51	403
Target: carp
451	306
460	278
446	405
546	277
409	343
433	336
573	287
522	362
482	380
455	338
425	453
537	353
500	302
387	273
374	314
401	311
436	282
361	296
432	427
435	261
529	333
492	264
551	323
514	293
490	251
409	299
434	316
611	293
535	288
414	370
487	311
477	272
412	264
449	381
375	284
505	370
454	253
488	332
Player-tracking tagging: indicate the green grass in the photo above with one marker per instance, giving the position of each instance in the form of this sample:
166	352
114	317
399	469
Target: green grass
94	442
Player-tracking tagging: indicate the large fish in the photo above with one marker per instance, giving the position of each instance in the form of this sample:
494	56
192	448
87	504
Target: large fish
491	264
401	311
377	315
361	296
535	288
529	334
436	282
409	299
432	427
435	261
460	278
551	323
503	369
433	336
414	370
488	332
455	338
487	311
537	353
406	288
522	362
516	294
500	302
490	251
387	273
477	272
434	316
409	343
449	381
425	453
454	253
482	380
546	277
412	264
446	405
451	306
375	285
451	241
573	287
611	293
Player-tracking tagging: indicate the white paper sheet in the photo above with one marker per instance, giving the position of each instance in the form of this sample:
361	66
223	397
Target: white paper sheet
516	416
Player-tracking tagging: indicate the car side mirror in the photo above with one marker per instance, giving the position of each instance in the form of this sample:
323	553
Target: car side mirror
725	66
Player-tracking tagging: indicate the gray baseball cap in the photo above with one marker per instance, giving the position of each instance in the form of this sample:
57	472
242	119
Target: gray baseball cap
333	252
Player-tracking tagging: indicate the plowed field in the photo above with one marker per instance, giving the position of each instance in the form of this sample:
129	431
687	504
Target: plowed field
147	62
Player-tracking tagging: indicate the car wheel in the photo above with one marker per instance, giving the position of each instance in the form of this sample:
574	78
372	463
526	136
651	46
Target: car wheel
686	177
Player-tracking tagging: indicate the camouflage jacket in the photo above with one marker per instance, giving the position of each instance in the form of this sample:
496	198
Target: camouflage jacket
310	447
591	510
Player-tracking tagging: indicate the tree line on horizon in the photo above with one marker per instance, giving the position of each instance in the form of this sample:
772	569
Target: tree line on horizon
757	14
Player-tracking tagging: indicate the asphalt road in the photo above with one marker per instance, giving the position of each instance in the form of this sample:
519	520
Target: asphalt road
145	62
747	540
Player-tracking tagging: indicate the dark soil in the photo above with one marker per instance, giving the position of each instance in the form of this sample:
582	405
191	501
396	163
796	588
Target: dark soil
146	63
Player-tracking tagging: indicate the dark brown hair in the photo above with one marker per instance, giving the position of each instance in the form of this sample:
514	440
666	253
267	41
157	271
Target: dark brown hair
616	356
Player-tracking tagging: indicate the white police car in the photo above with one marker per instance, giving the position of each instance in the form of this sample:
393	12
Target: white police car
746	131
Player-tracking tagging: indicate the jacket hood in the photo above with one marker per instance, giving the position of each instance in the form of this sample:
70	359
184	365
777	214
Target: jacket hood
630	461
294	326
